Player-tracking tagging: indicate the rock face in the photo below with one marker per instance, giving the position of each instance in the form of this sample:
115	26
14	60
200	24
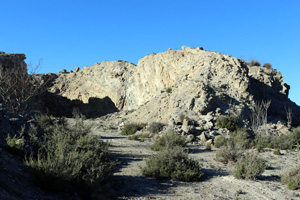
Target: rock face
12	61
107	79
191	82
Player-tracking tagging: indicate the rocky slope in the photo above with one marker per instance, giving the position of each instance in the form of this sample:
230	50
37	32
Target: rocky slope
198	82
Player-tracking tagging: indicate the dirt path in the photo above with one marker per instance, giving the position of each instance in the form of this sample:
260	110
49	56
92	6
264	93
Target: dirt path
217	184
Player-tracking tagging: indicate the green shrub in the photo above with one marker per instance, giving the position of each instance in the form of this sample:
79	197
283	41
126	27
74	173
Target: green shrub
229	153
267	65
254	63
281	142
296	136
173	163
70	157
228	122
249	166
130	129
168	140
156	127
276	152
169	90
241	138
139	136
292	178
220	141
16	143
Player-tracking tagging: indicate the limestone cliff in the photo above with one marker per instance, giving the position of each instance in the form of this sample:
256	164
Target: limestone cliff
199	82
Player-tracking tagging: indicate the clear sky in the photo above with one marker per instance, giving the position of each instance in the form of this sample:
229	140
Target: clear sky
70	33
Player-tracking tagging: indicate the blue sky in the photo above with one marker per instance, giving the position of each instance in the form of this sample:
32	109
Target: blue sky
70	33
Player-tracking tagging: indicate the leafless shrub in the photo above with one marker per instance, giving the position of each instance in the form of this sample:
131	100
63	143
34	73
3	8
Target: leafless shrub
259	115
289	116
17	87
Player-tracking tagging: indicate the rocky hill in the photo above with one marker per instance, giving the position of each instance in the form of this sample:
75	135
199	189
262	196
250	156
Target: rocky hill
191	82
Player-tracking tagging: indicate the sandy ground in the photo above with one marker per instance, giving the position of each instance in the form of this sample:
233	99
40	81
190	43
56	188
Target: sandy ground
218	182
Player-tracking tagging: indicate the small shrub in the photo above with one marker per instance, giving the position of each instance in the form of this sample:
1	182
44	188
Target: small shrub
249	166
168	140
241	138
276	152
254	63
156	127
173	163
130	129
228	122
16	143
169	90
139	136
220	141
267	65
229	153
292	178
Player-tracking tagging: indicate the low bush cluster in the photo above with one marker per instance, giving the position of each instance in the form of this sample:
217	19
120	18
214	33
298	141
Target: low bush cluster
132	128
249	166
292	178
281	142
168	140
173	163
139	136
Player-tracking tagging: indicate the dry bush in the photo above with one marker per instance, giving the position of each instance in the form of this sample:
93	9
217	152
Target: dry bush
17	87
173	163
70	158
268	65
229	153
249	166
292	178
259	116
168	140
132	128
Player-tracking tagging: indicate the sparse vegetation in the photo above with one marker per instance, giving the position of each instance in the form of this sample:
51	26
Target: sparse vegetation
292	178
130	129
281	142
173	163
168	140
228	122
249	166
